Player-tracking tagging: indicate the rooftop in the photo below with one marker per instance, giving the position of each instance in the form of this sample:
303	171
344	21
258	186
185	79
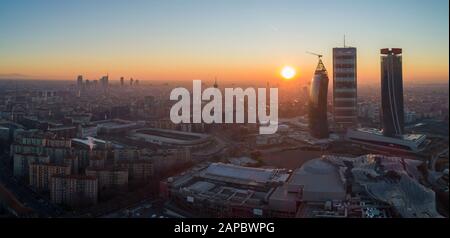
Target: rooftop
244	174
406	137
77	177
318	175
163	136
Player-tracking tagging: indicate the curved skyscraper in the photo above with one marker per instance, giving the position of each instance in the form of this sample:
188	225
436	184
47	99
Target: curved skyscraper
392	92
318	122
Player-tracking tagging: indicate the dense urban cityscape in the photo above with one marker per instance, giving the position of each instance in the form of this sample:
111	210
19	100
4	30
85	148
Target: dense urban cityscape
345	146
107	148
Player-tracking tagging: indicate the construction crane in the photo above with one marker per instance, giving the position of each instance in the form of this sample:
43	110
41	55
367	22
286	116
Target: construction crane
311	53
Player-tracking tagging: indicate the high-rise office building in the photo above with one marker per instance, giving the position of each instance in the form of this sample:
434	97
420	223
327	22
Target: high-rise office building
392	112
80	81
104	81
318	122
344	87
121	81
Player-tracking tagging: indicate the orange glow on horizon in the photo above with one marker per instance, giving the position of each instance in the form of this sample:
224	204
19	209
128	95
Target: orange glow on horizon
233	69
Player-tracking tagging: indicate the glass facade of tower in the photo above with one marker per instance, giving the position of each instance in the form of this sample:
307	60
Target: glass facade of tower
344	87
392	92
318	122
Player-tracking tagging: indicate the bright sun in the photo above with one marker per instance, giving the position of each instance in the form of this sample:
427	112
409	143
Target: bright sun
288	72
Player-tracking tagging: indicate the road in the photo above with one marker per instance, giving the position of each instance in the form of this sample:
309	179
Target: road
26	195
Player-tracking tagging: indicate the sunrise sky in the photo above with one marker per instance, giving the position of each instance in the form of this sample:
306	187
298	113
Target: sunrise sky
233	40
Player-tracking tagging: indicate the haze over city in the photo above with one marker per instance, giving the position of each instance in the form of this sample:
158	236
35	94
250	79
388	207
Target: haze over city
235	41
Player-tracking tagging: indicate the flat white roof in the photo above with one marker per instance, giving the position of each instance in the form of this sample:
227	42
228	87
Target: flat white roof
245	173
88	141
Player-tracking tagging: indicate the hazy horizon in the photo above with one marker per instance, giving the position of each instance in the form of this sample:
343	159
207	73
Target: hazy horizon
210	82
246	41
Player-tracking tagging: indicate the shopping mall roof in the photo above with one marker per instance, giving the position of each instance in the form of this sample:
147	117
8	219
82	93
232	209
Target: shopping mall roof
244	174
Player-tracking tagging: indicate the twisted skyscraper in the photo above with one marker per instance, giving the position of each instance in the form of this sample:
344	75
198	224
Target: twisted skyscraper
318	122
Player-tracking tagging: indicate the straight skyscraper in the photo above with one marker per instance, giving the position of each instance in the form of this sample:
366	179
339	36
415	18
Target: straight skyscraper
344	87
80	81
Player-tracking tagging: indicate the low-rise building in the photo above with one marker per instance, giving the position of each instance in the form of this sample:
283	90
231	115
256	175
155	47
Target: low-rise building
138	170
4	134
225	190
35	141
97	161
109	178
73	162
21	162
316	181
88	148
41	174
74	190
373	139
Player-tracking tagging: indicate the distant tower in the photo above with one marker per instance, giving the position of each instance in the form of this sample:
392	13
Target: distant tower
104	81
268	93
121	81
136	82
392	112
318	121
215	83
131	81
80	81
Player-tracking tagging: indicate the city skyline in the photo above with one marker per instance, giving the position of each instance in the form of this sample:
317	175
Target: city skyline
235	41
228	109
